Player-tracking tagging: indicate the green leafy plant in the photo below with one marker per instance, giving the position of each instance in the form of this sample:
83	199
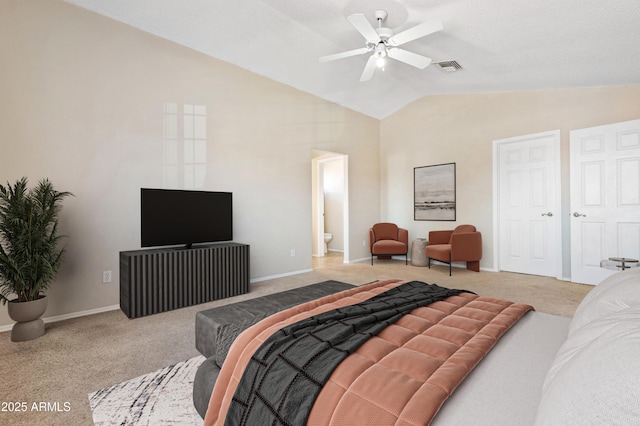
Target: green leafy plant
29	252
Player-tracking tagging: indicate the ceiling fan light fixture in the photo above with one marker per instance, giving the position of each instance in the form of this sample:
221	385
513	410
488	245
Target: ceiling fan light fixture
380	53
381	50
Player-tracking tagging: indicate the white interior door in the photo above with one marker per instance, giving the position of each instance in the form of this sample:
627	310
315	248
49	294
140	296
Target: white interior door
528	206
605	198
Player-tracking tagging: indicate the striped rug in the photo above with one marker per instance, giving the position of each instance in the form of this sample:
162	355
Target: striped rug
160	398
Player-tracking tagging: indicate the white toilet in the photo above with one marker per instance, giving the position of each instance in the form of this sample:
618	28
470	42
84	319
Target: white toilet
327	238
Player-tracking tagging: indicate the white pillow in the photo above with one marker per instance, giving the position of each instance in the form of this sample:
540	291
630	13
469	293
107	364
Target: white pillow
615	293
595	377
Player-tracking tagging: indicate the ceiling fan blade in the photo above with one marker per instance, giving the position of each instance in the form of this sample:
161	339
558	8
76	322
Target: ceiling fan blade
359	21
346	54
369	69
421	30
407	57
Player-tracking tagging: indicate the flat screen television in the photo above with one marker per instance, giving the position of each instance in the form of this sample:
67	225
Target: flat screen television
181	217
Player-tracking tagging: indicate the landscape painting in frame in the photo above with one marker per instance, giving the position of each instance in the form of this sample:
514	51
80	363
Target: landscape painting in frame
434	189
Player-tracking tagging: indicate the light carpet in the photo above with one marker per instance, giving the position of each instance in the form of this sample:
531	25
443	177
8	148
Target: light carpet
160	398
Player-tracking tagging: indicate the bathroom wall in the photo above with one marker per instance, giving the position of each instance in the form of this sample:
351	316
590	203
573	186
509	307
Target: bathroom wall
334	202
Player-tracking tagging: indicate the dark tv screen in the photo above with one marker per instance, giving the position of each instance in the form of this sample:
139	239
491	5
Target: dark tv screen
172	217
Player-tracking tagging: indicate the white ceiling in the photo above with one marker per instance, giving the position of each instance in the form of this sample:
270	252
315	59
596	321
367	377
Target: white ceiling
502	45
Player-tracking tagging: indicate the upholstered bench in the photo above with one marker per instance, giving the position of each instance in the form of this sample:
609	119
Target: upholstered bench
217	328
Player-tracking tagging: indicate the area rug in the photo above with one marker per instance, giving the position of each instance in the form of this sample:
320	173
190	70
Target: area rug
160	398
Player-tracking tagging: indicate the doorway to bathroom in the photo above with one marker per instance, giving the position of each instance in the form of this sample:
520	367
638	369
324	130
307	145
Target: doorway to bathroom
330	206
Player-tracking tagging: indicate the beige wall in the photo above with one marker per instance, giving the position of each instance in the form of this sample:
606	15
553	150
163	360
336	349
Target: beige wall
334	203
462	128
82	104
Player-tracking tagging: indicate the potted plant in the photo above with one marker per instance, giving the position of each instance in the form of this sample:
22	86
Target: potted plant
29	252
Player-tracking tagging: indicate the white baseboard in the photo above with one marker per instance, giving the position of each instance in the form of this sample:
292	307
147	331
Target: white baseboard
368	259
69	316
286	274
394	257
116	307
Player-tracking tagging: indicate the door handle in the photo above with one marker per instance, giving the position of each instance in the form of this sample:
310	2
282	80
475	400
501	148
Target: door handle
547	214
576	214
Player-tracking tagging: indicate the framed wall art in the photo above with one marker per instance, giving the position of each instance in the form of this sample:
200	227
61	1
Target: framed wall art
434	192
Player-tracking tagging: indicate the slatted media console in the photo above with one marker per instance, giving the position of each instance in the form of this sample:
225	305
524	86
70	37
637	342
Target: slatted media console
159	280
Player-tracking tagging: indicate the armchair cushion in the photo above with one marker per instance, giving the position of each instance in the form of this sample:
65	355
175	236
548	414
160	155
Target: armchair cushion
385	231
389	247
439	252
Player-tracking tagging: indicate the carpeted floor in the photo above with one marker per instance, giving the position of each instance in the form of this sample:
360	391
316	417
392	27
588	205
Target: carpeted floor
79	356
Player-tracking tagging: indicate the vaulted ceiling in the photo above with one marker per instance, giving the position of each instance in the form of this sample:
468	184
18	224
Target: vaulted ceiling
502	45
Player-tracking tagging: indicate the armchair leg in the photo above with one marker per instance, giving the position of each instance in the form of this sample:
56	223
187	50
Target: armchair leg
473	265
450	262
371	259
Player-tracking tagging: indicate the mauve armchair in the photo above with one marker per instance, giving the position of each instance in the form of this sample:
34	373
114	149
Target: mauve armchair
463	244
386	239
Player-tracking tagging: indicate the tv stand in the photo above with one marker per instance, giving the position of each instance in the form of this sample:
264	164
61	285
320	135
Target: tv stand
159	280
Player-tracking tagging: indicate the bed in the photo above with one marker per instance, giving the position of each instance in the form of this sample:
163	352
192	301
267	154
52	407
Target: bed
544	369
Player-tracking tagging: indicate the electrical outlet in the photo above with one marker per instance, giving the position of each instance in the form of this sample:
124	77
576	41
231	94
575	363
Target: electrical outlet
106	277
293	252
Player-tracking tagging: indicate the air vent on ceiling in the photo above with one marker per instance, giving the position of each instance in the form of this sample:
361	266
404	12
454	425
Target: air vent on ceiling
449	66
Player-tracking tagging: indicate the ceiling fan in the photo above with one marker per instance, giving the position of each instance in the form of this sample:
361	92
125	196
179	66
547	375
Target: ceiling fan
383	43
